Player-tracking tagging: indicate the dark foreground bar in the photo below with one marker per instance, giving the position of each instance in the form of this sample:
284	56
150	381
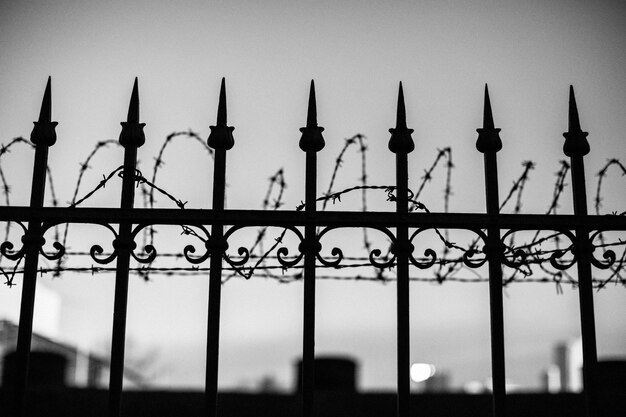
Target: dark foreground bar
69	402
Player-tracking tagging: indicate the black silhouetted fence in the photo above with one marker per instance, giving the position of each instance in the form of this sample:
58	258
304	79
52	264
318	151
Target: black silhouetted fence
401	227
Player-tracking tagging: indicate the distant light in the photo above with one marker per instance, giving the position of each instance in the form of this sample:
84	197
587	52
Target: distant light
422	371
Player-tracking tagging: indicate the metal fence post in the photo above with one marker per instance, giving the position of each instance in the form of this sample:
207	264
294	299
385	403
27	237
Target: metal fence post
220	139
43	136
131	138
402	144
311	142
489	144
576	147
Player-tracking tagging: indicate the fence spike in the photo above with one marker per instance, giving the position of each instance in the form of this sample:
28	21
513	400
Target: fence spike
573	119
401	109
133	107
132	131
221	136
401	140
43	132
311	116
487	113
221	106
576	143
45	115
312	139
489	135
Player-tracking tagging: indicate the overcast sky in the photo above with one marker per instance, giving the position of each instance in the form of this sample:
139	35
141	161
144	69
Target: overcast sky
357	51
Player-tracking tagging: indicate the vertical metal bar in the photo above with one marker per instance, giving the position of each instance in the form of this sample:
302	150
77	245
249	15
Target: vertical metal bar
402	144
131	138
43	136
576	146
308	334
402	268
220	139
215	285
489	144
311	142
495	291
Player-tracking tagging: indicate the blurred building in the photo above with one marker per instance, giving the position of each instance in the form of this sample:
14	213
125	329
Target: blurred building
58	363
336	396
565	374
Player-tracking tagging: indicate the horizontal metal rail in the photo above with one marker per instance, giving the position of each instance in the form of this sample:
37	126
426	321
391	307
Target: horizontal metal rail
160	216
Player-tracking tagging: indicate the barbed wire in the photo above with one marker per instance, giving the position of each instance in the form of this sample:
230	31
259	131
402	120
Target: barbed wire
298	276
448	267
4	149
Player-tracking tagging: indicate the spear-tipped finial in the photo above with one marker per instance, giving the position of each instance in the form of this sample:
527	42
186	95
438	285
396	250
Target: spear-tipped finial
487	114
133	107
573	119
401	109
43	132
45	115
401	140
311	115
132	131
221	105
221	136
489	135
312	139
576	143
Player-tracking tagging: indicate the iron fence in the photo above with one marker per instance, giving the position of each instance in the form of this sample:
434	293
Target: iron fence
308	225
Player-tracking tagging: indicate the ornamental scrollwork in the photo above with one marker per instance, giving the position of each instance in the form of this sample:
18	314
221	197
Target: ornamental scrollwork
150	250
387	262
517	257
96	250
282	254
6	248
243	252
32	239
336	252
430	254
190	249
608	255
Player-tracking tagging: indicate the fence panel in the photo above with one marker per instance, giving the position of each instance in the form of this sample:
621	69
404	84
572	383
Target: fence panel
224	222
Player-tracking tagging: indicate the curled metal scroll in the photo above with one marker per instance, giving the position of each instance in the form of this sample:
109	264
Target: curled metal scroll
468	256
97	250
6	248
608	255
472	263
336	252
560	253
518	259
150	250
283	252
519	256
190	249
281	256
54	256
429	253
60	249
151	255
561	266
243	252
376	253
